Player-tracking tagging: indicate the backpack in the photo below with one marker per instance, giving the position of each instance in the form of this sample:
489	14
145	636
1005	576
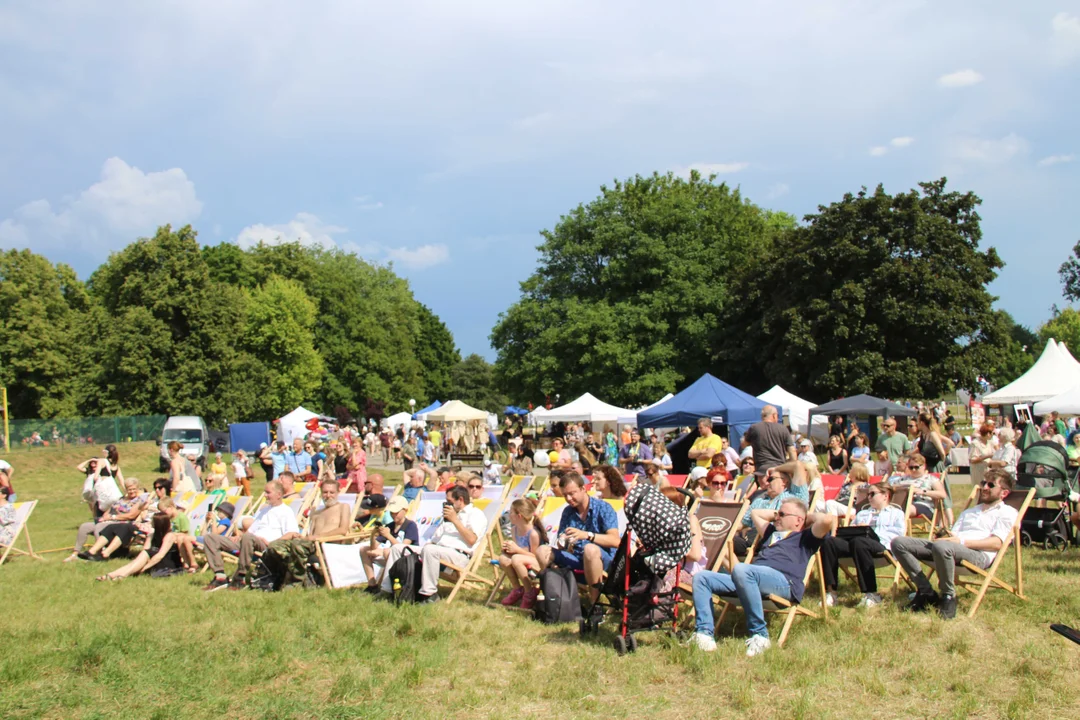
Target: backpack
558	600
405	576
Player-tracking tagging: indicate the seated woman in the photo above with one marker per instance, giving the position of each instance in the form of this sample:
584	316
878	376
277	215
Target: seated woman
115	529
160	551
861	452
653	474
887	522
608	483
925	488
857	481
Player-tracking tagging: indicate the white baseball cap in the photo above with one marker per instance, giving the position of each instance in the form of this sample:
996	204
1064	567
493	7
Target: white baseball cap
698	473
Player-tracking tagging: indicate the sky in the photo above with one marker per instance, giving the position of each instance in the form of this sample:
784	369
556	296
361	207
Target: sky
442	137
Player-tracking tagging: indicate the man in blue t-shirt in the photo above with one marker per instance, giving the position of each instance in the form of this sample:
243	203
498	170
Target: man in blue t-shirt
298	462
634	455
588	534
778	568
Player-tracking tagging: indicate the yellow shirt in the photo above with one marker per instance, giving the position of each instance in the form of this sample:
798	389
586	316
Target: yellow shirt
436	438
714	441
218	468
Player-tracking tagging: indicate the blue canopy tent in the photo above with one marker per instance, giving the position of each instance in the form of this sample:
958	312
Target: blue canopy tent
430	408
511	410
707	397
248	436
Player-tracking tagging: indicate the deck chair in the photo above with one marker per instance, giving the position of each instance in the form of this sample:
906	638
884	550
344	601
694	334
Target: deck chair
778	605
717	520
902	500
978	581
470	573
23	511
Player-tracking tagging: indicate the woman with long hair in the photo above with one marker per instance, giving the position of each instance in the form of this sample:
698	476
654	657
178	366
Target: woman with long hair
159	551
931	444
837	457
357	467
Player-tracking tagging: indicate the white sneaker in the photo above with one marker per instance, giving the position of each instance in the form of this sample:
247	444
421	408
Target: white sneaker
703	642
757	644
870	600
830	599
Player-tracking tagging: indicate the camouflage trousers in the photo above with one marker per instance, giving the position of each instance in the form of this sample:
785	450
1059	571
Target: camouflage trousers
293	556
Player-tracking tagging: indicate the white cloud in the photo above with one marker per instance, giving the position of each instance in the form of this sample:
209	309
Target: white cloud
367	202
878	150
899	142
990	152
960	78
419	258
1066	36
777	190
305	228
1056	160
125	203
707	169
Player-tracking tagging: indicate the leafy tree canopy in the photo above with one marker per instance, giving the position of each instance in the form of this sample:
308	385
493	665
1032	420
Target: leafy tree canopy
473	382
1064	327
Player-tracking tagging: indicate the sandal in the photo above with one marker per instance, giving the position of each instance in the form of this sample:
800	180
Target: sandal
102	578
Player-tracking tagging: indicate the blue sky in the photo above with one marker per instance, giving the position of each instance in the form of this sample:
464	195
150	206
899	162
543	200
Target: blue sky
443	136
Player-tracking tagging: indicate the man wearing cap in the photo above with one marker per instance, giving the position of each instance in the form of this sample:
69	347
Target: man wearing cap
634	455
806	452
453	542
292	551
707	444
400	531
771	440
492	472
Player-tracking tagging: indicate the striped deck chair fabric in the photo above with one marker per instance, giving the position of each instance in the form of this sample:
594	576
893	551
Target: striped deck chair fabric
23	511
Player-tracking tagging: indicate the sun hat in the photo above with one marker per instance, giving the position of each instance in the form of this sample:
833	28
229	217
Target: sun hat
397	504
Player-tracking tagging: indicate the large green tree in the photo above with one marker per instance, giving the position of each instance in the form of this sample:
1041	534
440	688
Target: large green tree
629	289
1063	327
437	354
41	309
473	382
875	293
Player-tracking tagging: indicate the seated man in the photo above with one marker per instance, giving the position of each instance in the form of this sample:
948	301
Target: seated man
271	525
413	483
288	485
781	483
588	534
333	519
977	536
887	522
462	525
778	568
400	531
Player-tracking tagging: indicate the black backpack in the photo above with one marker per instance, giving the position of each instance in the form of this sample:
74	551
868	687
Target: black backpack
558	601
405	576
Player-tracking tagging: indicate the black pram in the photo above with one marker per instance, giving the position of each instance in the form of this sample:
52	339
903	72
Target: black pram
633	588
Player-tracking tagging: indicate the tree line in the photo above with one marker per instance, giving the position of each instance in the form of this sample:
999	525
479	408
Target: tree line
165	326
661	278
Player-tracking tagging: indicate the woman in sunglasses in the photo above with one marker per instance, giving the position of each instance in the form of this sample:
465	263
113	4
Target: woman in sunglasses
925	488
886	522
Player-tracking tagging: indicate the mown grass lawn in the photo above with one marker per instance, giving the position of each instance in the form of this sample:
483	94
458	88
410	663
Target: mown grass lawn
144	648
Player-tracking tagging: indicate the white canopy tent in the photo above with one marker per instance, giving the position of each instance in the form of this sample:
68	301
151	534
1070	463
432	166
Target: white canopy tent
796	411
1067	403
402	418
1055	372
293	425
456	411
588	408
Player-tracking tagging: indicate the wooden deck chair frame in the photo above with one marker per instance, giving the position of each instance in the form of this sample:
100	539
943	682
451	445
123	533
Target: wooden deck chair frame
847	565
500	576
469	573
724	549
777	605
21	531
988	579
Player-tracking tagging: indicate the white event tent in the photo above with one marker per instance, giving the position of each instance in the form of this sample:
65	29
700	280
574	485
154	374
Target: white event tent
456	411
796	411
294	425
588	408
1055	372
1067	403
401	418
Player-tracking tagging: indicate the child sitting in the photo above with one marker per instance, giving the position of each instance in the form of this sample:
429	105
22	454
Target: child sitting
220	520
181	532
882	466
519	553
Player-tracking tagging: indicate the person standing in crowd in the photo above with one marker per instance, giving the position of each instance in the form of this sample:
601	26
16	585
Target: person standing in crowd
706	445
298	460
860	453
357	467
837	458
891	441
771	440
981	450
521	463
635	455
218	467
242	471
266	461
611	449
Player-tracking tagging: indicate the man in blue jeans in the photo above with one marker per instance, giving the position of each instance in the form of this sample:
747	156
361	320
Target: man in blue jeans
778	568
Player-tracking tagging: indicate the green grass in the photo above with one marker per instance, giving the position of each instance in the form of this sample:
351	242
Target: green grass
146	648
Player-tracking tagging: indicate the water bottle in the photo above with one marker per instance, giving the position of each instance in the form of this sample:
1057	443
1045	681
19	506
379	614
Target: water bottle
397	585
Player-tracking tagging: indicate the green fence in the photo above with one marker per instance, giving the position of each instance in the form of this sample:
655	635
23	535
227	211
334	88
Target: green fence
85	430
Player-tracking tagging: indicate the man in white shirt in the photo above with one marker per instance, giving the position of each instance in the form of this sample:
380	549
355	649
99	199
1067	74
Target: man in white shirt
977	536
492	472
463	524
271	524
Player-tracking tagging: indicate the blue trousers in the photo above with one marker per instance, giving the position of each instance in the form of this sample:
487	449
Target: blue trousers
750	582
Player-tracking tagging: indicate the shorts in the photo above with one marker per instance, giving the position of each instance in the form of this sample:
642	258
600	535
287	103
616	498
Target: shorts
563	559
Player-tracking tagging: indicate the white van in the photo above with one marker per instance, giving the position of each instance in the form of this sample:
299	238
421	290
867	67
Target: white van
188	430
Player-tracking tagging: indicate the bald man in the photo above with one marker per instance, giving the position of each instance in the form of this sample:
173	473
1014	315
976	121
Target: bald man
772	441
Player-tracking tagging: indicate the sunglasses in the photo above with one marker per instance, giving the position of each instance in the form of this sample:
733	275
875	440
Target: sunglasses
476	487
749	462
915	467
781	514
988	484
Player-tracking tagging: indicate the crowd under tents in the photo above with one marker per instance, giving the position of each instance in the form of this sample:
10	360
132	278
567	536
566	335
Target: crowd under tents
862	405
795	409
1054	373
707	397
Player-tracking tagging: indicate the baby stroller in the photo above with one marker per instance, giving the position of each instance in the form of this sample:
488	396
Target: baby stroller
1045	466
633	589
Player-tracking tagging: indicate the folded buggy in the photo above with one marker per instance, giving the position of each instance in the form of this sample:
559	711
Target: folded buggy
1045	466
634	589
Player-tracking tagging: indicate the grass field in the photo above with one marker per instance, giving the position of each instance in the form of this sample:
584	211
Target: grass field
148	648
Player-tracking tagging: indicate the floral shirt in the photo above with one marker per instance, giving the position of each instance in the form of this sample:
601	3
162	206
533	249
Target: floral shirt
7	524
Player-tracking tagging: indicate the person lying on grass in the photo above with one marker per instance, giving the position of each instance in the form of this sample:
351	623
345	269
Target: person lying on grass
400	531
519	553
887	522
122	514
160	551
779	565
976	537
292	551
277	520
